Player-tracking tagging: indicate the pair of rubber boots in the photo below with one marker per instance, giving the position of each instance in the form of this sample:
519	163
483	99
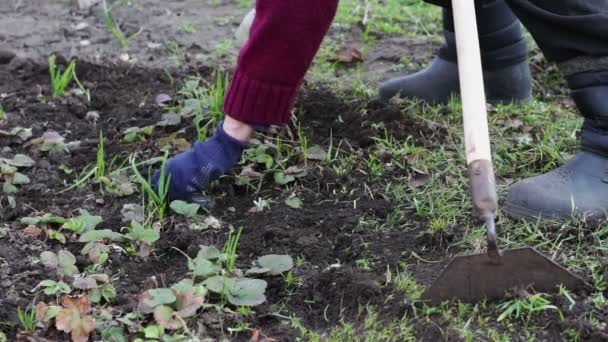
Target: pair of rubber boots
578	188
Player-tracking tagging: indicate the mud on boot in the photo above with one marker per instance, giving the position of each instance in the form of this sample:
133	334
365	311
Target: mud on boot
504	55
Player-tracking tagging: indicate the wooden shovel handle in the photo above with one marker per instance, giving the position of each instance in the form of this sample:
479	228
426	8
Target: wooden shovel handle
477	139
475	116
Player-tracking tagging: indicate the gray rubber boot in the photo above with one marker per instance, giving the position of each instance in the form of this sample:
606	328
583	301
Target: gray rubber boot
578	188
504	56
439	82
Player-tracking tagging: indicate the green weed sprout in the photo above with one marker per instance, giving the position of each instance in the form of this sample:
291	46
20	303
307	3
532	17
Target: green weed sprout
159	199
114	28
525	308
27	319
230	249
100	168
60	80
216	95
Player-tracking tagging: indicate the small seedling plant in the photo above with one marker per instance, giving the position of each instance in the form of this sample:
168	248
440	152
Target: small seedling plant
60	80
11	177
114	28
27	319
524	308
156	199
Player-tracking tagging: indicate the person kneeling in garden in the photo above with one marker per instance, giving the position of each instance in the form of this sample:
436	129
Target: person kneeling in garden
286	35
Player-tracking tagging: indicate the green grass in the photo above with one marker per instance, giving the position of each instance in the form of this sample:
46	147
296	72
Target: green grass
27	319
405	17
60	80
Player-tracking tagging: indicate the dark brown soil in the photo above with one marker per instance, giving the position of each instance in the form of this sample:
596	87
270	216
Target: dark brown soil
324	232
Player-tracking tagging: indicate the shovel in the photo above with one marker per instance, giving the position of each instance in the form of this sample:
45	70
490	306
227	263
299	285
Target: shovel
471	278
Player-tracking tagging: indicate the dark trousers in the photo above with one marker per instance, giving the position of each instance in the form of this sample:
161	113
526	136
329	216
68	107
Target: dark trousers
574	34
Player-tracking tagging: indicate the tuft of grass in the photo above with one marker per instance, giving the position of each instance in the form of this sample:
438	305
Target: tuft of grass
60	79
100	169
524	308
115	29
27	319
158	200
230	249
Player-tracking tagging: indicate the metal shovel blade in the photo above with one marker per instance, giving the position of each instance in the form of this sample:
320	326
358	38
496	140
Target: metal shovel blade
471	278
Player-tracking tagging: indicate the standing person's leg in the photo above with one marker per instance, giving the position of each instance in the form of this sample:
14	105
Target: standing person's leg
284	39
573	33
504	54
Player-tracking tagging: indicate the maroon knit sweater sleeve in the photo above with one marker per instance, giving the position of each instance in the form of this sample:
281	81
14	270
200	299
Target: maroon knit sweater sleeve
284	39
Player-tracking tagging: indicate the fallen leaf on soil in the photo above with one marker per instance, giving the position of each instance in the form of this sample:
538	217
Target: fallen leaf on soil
257	336
347	55
32	231
514	122
132	212
294	202
316	152
161	99
169	119
73	318
249	173
417	179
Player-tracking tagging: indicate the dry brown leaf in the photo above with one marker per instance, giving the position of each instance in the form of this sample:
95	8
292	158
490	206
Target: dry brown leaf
32	231
348	55
257	336
417	179
73	318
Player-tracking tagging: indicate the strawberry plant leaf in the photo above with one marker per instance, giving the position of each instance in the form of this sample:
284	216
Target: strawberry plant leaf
275	264
219	284
21	160
294	202
9	188
100	235
67	263
20	178
73	318
138	232
155	297
210	253
90	221
247	292
55	235
202	267
49	259
165	317
184	208
84	282
281	178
